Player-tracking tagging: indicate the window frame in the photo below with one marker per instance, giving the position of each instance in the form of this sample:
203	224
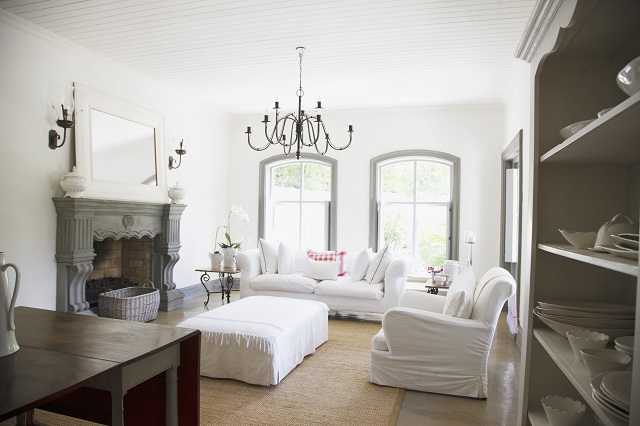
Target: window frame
453	246
281	159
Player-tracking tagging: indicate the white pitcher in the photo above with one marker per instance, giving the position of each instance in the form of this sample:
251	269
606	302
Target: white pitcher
451	268
8	343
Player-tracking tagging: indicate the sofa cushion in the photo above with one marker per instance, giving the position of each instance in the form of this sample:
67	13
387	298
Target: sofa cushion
322	270
268	252
460	305
378	266
378	342
344	287
285	259
284	282
361	264
330	256
466	281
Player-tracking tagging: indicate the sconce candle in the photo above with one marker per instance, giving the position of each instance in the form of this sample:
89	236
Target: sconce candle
180	152
66	122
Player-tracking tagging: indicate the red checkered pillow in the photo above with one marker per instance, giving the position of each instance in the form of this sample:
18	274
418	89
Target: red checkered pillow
330	256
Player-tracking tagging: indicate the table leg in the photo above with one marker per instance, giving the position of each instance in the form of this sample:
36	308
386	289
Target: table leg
229	286
203	279
172	396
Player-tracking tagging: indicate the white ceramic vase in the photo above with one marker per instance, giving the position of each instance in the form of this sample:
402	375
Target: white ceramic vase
229	257
216	259
73	183
8	342
177	193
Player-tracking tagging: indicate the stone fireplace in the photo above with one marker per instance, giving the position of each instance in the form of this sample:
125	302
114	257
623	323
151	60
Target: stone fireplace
91	230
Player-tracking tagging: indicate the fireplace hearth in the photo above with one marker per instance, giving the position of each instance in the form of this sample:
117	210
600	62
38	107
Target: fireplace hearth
82	221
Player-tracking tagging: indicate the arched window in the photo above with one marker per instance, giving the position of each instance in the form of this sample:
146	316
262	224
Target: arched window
297	201
414	205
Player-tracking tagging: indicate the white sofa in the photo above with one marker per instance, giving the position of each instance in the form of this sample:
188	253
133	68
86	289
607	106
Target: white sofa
341	294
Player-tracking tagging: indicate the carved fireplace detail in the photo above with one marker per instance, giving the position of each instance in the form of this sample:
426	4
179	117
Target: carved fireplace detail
80	221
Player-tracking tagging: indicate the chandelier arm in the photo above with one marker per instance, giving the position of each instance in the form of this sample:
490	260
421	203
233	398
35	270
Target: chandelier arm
340	148
313	138
256	148
289	118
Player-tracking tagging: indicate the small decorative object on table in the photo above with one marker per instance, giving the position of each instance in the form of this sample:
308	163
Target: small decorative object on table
230	248
216	259
139	303
8	342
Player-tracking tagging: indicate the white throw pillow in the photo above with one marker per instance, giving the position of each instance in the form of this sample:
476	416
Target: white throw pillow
322	270
361	264
285	259
378	266
465	281
460	305
268	253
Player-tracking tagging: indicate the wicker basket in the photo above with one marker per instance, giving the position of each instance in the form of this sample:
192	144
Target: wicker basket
131	303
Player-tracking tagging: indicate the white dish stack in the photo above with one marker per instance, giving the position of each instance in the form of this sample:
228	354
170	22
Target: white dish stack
612	392
625	344
614	320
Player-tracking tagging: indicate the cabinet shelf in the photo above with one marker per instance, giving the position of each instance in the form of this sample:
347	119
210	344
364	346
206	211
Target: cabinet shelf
603	260
561	353
610	139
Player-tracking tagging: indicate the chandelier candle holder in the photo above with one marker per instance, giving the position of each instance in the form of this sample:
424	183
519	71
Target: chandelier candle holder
299	126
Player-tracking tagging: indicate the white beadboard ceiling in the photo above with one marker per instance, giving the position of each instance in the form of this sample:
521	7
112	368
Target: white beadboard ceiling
359	53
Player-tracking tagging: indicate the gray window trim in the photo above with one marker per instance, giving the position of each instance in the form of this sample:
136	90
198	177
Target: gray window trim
333	163
455	190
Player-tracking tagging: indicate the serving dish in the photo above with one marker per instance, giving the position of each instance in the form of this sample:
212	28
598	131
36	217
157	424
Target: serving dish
599	360
581	240
583	339
562	410
562	328
628	78
629	241
574	128
589	306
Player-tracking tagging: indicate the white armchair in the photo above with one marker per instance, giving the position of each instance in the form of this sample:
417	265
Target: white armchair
421	348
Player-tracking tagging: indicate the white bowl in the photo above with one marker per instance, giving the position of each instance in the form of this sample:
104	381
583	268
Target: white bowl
581	240
574	128
600	360
562	410
628	78
604	111
585	339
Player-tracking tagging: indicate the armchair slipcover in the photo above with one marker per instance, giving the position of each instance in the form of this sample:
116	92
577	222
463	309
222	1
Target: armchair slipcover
420	348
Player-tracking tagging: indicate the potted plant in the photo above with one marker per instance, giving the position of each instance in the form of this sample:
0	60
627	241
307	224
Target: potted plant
229	248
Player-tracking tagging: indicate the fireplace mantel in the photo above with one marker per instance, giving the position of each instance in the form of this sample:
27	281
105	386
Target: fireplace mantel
81	220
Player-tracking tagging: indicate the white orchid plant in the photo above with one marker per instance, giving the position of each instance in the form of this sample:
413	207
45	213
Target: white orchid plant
243	217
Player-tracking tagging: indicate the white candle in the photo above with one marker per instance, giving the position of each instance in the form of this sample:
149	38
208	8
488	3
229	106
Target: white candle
470	238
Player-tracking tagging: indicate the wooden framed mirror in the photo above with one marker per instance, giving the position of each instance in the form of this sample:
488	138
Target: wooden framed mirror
119	148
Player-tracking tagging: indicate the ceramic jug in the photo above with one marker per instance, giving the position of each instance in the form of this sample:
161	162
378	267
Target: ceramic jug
451	268
8	343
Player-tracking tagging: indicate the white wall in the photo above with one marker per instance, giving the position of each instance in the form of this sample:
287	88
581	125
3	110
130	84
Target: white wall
33	63
473	133
518	116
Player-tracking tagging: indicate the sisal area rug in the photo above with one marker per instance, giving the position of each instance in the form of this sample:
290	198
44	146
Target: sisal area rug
330	387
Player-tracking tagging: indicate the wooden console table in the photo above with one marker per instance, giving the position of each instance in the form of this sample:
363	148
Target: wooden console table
65	358
225	284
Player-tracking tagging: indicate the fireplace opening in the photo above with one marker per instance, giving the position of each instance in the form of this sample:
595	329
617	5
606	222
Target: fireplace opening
117	264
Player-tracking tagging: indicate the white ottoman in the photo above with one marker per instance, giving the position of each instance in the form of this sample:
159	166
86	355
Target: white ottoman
259	339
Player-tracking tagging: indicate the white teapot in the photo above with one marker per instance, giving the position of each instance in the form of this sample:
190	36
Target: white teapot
451	269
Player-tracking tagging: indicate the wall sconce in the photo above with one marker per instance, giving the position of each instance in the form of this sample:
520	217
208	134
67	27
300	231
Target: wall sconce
66	122
470	238
180	152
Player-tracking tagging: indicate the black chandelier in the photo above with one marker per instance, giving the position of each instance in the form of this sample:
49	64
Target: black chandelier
297	125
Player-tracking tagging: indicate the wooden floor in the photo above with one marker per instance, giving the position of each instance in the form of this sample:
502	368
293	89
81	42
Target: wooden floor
421	408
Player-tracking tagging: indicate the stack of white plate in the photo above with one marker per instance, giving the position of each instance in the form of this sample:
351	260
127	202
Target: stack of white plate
612	392
625	344
626	245
612	319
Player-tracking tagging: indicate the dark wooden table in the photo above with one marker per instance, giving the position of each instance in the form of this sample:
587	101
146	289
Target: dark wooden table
61	353
225	284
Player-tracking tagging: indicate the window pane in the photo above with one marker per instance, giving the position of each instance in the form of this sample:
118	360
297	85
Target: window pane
433	181
396	181
317	182
285	184
397	227
286	223
431	223
314	226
